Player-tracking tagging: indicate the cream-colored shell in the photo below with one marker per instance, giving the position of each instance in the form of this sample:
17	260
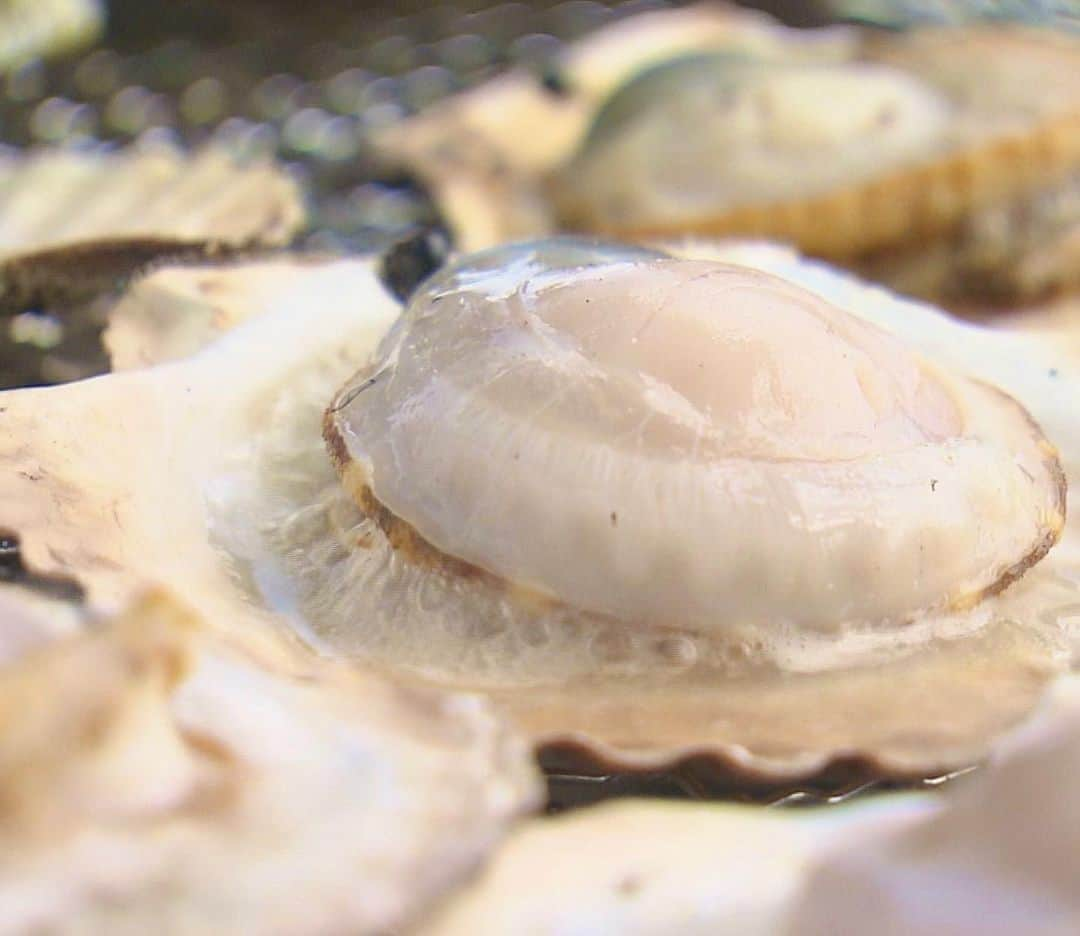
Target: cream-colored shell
643	868
33	28
164	772
75	223
991	853
1012	144
176	311
56	198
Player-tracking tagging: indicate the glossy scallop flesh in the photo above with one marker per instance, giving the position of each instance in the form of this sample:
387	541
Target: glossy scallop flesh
693	446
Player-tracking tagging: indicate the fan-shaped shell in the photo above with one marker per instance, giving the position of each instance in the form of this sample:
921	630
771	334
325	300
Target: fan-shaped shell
1011	130
270	536
73	223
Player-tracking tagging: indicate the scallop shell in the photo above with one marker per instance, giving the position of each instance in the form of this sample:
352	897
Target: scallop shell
229	438
162	772
989	211
483	153
1014	129
643	868
1008	835
602	724
73	223
33	28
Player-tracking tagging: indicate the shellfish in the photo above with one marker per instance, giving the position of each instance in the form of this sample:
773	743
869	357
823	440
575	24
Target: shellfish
949	169
470	150
606	668
77	225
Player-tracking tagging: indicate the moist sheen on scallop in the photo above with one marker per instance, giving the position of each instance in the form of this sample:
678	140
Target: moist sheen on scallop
692	445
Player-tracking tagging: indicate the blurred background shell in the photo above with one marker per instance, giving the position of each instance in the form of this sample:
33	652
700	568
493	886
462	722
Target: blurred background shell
314	84
949	170
161	769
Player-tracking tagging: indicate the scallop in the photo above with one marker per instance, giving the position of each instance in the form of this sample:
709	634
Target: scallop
917	145
706	136
484	153
943	161
688	447
628	614
907	103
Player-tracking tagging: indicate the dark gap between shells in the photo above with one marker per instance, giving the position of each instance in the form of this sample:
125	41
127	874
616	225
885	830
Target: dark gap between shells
13	571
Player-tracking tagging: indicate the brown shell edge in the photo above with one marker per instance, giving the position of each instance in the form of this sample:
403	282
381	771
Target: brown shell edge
77	272
1052	463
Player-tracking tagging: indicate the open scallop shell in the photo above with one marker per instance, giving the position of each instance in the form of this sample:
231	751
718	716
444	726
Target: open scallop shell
1012	129
484	153
259	530
73	223
944	220
765	727
161	772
